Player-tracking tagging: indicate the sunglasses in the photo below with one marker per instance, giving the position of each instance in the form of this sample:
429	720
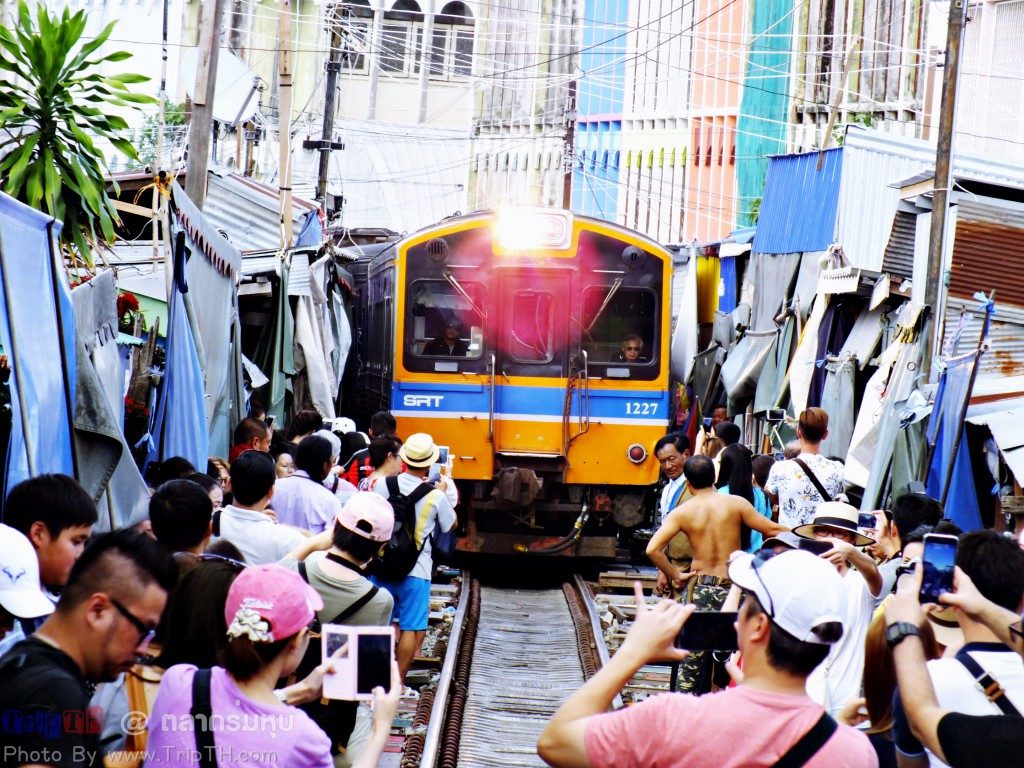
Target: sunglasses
146	632
210	556
633	349
761	557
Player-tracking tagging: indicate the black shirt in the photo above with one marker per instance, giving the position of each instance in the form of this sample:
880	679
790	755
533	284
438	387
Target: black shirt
985	741
45	715
439	347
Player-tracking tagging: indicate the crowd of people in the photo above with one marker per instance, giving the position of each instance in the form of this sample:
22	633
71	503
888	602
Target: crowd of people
193	638
839	661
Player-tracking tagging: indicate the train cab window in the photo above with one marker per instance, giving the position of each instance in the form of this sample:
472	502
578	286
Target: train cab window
532	327
620	329
444	323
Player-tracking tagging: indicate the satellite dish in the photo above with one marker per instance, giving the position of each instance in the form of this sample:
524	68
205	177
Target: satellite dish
234	101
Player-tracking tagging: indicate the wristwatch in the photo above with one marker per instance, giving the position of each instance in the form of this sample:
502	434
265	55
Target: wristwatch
894	633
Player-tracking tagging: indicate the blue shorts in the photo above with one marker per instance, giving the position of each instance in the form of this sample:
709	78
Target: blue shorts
412	601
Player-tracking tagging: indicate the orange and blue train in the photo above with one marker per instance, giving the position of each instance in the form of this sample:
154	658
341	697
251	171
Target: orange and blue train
533	344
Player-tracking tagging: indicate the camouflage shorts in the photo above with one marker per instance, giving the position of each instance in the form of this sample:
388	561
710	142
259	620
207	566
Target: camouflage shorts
695	669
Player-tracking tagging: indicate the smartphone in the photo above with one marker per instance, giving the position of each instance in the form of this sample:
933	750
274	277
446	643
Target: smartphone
366	665
867	521
937	564
814	546
709	631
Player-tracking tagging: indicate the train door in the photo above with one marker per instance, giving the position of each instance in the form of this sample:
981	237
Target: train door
530	361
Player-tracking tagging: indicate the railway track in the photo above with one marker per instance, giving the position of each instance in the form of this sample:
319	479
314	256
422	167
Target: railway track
514	655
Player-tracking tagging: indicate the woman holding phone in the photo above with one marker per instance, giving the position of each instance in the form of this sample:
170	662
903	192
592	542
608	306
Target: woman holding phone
233	714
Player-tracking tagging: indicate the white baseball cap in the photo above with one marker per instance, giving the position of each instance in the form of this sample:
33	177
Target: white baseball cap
20	593
799	590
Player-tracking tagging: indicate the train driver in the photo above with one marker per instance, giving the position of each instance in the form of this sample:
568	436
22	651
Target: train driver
448	343
632	350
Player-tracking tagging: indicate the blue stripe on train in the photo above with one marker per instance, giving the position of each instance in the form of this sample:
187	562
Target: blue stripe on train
526	400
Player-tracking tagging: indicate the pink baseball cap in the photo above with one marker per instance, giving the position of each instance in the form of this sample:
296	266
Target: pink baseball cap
373	511
267	603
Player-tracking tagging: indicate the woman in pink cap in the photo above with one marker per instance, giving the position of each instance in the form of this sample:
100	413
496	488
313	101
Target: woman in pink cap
232	714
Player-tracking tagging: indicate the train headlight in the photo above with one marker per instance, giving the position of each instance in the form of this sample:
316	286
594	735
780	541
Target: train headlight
636	453
533	229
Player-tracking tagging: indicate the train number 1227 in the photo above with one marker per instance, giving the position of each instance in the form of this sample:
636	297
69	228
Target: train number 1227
641	409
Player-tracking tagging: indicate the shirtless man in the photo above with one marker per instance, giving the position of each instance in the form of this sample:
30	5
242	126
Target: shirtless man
711	520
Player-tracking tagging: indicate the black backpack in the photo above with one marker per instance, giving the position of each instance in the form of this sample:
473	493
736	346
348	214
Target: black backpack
398	556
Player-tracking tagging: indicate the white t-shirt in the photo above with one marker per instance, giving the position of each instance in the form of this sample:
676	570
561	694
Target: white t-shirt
837	680
957	691
668	493
798	498
259	539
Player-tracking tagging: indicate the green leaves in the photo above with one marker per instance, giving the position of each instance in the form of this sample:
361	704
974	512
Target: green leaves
56	117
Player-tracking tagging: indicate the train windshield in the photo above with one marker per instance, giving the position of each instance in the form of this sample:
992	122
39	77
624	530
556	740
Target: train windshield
624	333
444	321
532	327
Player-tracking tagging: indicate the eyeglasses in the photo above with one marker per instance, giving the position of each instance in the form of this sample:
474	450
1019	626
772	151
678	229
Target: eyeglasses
146	632
210	556
632	349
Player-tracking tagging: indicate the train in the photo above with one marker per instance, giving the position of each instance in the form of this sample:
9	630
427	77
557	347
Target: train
533	345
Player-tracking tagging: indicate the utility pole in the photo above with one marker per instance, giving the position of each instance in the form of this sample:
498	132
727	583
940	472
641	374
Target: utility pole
284	118
943	164
201	125
326	143
570	147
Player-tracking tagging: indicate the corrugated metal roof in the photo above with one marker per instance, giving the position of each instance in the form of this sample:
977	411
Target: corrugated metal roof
798	210
248	211
1005	355
988	253
266	262
899	253
873	162
1007	427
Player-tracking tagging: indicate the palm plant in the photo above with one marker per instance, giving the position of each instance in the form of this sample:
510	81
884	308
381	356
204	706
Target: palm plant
54	106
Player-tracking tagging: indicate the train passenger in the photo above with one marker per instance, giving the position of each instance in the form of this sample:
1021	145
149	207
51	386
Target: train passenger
631	352
448	343
672	451
412	594
712	521
791	616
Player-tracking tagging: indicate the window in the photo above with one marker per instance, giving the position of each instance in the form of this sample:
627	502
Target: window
623	332
532	327
355	42
394	41
444	322
451	49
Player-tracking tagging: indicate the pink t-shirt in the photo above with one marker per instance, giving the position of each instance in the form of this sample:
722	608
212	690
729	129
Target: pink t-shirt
738	727
245	732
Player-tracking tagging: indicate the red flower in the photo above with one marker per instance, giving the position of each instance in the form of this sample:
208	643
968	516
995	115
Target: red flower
126	302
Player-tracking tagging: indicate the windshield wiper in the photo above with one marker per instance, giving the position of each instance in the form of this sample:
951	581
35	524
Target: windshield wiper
604	305
464	293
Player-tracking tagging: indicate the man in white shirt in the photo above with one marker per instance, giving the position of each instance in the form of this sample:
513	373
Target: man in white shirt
838	679
672	451
795	482
301	500
995	565
412	594
245	522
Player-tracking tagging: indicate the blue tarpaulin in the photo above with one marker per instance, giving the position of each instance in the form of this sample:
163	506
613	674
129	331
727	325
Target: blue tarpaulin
179	419
945	431
799	206
36	319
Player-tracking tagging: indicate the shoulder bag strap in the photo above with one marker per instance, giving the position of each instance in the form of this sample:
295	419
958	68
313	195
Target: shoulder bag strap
809	744
814	479
201	713
302	571
353	609
989	685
